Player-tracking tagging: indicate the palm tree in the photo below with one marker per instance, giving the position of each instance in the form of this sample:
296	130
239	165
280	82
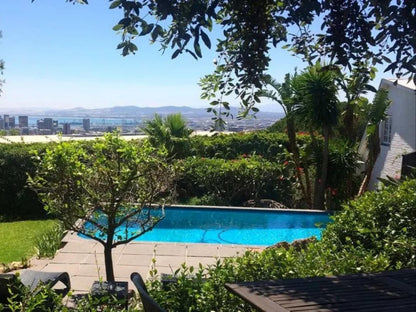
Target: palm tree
354	87
284	94
157	131
376	114
167	131
318	107
177	126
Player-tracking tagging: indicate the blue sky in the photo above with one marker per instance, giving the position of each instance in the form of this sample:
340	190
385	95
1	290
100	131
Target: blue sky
60	55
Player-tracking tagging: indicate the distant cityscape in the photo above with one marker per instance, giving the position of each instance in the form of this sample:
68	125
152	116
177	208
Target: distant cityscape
68	124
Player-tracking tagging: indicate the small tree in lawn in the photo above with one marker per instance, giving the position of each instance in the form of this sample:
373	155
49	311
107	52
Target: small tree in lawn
102	189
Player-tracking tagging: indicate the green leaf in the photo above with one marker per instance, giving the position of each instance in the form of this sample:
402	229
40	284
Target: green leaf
176	53
197	49
192	53
146	28
115	4
205	39
118	27
121	45
125	21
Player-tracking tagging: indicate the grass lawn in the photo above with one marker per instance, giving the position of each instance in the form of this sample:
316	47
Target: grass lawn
17	239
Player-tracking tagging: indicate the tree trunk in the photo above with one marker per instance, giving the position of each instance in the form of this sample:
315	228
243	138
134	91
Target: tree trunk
373	152
349	122
108	259
291	133
319	198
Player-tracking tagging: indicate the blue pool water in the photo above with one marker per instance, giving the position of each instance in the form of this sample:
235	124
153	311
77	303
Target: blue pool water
232	226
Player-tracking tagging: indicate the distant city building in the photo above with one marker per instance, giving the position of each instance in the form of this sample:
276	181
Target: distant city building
86	124
6	122
12	122
66	128
24	131
45	124
1	123
23	121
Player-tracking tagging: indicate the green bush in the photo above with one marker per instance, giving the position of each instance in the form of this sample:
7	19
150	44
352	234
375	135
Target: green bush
48	243
233	182
17	202
44	299
231	146
382	221
40	299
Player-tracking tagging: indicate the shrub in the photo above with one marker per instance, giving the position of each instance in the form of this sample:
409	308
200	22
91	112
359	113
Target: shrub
17	202
234	181
231	146
23	299
382	221
48	244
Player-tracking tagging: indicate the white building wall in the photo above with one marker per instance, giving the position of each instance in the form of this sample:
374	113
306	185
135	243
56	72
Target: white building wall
403	117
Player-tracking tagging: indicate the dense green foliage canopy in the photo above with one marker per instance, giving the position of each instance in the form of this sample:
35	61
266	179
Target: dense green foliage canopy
344	32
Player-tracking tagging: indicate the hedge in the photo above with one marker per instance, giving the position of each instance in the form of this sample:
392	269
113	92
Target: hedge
17	202
231	146
232	182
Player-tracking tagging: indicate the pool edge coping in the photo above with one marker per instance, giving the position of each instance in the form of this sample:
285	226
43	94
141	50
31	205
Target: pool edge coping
249	208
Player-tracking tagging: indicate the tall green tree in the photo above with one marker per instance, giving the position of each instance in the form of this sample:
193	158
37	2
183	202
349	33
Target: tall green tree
318	107
103	189
354	86
285	95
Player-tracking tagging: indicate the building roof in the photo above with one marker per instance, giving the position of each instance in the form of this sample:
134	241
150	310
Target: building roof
402	82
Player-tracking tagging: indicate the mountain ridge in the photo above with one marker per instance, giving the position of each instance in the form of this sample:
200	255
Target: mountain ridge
132	111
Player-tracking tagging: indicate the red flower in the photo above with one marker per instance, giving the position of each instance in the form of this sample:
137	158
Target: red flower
334	192
244	155
285	163
281	178
300	169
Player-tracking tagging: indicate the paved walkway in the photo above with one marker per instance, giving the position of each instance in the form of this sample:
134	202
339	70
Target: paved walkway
84	261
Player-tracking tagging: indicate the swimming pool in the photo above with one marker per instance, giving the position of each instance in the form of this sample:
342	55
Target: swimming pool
243	226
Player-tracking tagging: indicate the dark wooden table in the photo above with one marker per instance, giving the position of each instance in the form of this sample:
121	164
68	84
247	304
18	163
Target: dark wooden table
386	291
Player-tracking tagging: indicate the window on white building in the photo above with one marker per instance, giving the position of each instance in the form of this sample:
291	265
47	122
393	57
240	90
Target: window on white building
386	128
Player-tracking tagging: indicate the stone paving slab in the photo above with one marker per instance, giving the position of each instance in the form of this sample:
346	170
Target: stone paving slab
172	249
83	259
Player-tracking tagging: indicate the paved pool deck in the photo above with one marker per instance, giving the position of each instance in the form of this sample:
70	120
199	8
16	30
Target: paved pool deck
83	259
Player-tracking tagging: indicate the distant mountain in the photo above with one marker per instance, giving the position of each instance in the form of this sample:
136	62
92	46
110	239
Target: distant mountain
136	112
